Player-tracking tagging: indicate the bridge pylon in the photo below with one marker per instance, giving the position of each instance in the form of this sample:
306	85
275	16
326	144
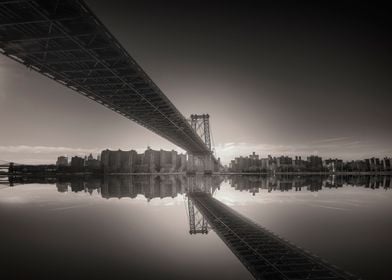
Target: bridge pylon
202	163
201	124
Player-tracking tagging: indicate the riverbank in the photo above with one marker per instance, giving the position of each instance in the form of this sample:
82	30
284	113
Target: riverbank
53	174
309	173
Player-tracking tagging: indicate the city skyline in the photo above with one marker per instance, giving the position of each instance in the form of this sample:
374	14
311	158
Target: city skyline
276	80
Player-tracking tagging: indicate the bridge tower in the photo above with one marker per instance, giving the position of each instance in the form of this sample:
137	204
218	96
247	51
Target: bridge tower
201	124
204	162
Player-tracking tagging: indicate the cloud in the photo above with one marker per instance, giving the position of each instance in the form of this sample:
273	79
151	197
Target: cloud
45	150
331	140
40	154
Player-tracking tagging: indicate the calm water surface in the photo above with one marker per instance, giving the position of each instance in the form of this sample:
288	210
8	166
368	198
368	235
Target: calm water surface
138	227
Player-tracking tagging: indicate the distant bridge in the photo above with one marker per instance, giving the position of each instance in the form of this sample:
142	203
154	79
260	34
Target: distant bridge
66	42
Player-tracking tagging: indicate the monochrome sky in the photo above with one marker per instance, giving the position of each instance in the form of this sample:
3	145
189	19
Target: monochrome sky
276	79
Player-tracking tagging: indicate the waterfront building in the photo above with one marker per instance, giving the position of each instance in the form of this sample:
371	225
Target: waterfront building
333	165
374	164
387	164
299	164
168	161
272	164
62	161
118	161
314	163
151	161
264	164
92	164
284	163
77	164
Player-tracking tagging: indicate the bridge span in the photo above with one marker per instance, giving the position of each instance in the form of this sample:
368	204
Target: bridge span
66	42
263	253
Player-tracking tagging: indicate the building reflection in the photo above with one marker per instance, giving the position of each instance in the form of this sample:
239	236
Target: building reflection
261	252
162	186
122	186
312	183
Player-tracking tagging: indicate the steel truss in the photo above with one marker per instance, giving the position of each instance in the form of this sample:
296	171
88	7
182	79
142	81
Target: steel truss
65	41
201	124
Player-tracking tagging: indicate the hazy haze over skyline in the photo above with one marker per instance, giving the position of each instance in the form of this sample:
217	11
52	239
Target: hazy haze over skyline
276	79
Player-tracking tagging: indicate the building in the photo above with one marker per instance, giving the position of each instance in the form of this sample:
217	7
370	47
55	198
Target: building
387	164
151	161
119	161
272	164
62	161
284	163
333	165
374	164
168	161
264	164
356	166
181	163
299	164
77	164
92	164
314	163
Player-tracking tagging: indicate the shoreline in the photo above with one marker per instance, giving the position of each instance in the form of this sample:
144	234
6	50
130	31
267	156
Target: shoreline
310	173
304	173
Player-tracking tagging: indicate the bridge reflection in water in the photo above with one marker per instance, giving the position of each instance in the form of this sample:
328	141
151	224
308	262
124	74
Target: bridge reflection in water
263	253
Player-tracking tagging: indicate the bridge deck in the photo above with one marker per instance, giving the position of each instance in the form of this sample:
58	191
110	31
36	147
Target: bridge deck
264	254
66	42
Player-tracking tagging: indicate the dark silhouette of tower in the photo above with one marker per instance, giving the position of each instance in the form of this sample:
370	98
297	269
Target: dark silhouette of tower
201	124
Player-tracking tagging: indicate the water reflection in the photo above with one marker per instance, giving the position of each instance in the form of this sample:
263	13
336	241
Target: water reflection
309	183
205	212
161	186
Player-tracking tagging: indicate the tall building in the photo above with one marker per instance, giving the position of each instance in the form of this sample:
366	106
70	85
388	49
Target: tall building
314	163
118	161
168	161
264	164
77	164
386	162
151	161
92	164
284	163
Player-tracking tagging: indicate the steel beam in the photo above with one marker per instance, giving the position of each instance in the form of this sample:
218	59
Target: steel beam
23	40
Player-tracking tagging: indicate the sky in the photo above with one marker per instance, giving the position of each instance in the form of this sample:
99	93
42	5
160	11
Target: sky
292	79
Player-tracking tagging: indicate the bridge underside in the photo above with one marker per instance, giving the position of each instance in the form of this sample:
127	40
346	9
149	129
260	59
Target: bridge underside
65	41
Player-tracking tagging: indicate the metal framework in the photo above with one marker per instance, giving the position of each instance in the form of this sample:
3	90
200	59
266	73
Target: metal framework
65	41
201	124
197	222
264	254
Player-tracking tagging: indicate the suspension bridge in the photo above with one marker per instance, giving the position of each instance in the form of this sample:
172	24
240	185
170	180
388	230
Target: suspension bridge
65	41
